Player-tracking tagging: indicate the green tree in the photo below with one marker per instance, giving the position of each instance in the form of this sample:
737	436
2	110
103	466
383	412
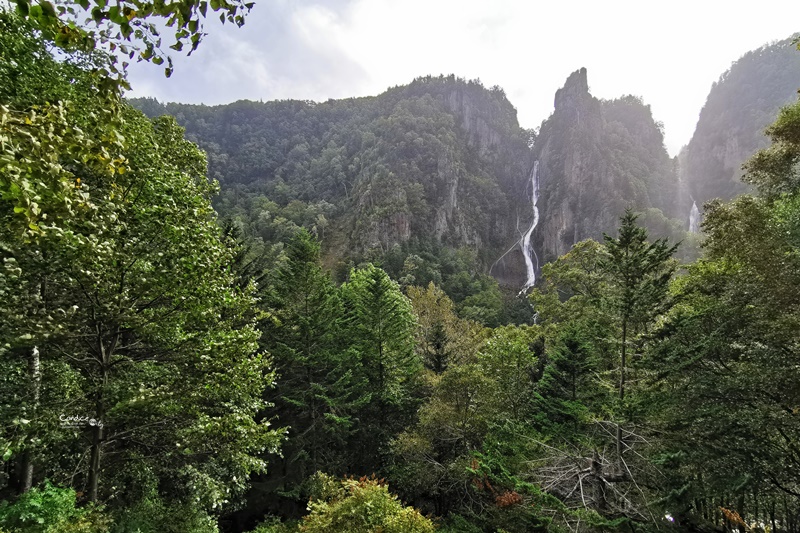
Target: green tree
572	286
639	273
152	330
56	122
51	510
512	359
569	389
119	300
380	326
433	457
442	338
599	305
727	358
319	384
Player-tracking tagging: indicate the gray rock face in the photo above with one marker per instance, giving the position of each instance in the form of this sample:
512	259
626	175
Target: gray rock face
474	120
574	91
464	149
445	212
597	158
730	129
570	166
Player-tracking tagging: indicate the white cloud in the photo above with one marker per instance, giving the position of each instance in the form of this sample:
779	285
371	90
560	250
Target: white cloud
668	53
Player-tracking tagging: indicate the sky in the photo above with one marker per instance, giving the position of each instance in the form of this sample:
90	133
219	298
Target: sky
668	53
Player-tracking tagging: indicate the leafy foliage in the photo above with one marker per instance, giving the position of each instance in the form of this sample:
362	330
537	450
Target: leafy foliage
127	27
361	505
50	509
726	360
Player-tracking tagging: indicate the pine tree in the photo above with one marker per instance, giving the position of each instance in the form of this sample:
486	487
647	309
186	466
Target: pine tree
317	385
380	325
639	273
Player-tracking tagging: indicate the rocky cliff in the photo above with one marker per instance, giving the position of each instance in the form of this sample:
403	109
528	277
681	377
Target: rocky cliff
597	157
743	102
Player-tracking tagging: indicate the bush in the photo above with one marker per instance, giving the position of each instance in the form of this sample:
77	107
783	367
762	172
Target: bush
272	526
361	506
51	509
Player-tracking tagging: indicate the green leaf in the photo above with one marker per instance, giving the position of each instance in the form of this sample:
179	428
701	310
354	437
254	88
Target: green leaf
48	10
97	14
23	7
116	16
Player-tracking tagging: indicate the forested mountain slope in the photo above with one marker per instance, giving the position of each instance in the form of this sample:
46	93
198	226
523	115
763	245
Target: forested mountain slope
433	161
731	126
440	164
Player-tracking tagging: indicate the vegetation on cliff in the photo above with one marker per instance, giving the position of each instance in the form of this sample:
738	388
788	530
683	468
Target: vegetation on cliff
740	105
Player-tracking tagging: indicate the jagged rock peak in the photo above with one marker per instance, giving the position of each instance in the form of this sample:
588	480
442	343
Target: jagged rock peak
575	88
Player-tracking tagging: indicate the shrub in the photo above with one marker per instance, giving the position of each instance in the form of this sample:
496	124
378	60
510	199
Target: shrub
51	509
361	506
152	515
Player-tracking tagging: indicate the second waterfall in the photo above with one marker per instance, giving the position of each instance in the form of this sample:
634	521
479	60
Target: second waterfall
525	242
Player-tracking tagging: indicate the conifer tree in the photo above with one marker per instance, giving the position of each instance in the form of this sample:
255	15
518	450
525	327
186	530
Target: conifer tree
380	326
317	387
638	273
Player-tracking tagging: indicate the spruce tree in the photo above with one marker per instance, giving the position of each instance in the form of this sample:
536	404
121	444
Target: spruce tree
639	273
316	389
380	325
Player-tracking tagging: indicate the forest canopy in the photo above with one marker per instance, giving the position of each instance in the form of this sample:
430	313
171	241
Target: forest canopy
296	330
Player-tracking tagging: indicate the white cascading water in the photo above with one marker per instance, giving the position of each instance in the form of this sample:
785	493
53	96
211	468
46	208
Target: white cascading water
694	218
525	242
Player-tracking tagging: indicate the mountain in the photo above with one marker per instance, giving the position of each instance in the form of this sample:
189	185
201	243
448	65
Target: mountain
744	101
431	162
597	158
434	177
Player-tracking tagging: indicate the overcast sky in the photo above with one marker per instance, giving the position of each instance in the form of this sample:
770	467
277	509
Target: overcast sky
669	53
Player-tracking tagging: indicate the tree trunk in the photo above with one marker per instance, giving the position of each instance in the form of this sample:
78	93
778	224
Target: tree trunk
622	365
35	375
772	516
599	495
94	464
97	439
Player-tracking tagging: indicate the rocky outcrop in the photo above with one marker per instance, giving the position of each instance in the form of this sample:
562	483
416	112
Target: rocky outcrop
740	105
574	93
445	212
597	158
455	149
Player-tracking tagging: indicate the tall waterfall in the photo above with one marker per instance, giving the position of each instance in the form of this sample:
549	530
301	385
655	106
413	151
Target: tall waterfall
694	218
525	242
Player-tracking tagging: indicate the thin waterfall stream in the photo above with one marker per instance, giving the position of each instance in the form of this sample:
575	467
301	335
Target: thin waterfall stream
525	243
694	218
